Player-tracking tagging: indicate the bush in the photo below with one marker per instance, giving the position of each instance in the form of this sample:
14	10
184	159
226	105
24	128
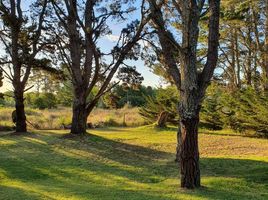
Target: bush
165	99
246	110
210	115
45	100
243	110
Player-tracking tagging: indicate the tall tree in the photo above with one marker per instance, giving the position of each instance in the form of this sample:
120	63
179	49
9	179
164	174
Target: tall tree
1	82
22	38
266	47
83	24
190	75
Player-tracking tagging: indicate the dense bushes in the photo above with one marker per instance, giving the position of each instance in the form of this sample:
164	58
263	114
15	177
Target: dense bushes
41	101
243	111
246	110
32	100
165	99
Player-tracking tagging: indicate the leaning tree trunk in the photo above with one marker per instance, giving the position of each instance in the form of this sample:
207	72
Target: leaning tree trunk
162	119
79	119
21	125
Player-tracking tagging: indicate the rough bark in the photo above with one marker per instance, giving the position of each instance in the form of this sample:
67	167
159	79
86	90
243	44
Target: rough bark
79	118
189	155
21	125
190	83
265	68
20	55
83	28
178	147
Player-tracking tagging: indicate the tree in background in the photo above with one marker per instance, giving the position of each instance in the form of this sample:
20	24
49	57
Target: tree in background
22	37
189	79
46	81
82	24
164	100
121	95
243	54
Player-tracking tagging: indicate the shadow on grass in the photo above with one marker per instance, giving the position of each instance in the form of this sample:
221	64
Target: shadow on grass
94	167
6	193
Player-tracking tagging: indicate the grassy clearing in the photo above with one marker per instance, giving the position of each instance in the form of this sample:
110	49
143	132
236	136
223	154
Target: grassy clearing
55	118
128	163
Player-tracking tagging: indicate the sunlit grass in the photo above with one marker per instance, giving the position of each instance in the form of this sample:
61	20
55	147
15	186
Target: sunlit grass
128	163
55	118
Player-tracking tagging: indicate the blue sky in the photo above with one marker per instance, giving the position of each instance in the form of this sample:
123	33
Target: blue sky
106	43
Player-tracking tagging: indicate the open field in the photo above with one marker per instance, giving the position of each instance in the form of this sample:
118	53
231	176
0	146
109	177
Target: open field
55	118
128	163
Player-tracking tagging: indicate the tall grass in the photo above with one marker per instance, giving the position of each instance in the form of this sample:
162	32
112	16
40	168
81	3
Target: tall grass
56	118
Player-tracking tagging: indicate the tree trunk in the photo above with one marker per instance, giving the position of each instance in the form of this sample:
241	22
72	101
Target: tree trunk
266	51
79	120
162	119
189	153
21	125
178	147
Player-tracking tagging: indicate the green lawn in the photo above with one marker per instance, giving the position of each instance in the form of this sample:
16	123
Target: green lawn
128	164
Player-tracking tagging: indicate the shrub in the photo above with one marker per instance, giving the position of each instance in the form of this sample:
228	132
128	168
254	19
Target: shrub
45	100
165	99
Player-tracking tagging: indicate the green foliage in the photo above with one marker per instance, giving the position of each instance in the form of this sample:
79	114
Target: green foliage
65	94
165	99
211	116
45	100
130	76
8	99
122	95
246	110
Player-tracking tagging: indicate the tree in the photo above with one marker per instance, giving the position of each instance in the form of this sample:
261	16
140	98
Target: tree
23	38
1	83
82	24
164	100
182	63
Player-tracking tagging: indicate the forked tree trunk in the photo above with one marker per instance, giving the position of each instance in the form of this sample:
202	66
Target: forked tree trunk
79	119
189	153
21	125
190	82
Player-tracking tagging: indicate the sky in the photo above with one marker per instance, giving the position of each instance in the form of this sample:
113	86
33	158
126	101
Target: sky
106	43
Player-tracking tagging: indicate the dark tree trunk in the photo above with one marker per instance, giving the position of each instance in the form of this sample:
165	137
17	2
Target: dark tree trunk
189	153
79	120
178	147
21	125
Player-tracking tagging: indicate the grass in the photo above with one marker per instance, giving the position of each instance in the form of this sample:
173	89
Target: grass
55	118
128	164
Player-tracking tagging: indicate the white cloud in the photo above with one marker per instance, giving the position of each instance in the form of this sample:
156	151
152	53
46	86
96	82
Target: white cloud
113	38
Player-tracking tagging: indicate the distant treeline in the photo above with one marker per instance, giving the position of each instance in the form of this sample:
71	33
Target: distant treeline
117	98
